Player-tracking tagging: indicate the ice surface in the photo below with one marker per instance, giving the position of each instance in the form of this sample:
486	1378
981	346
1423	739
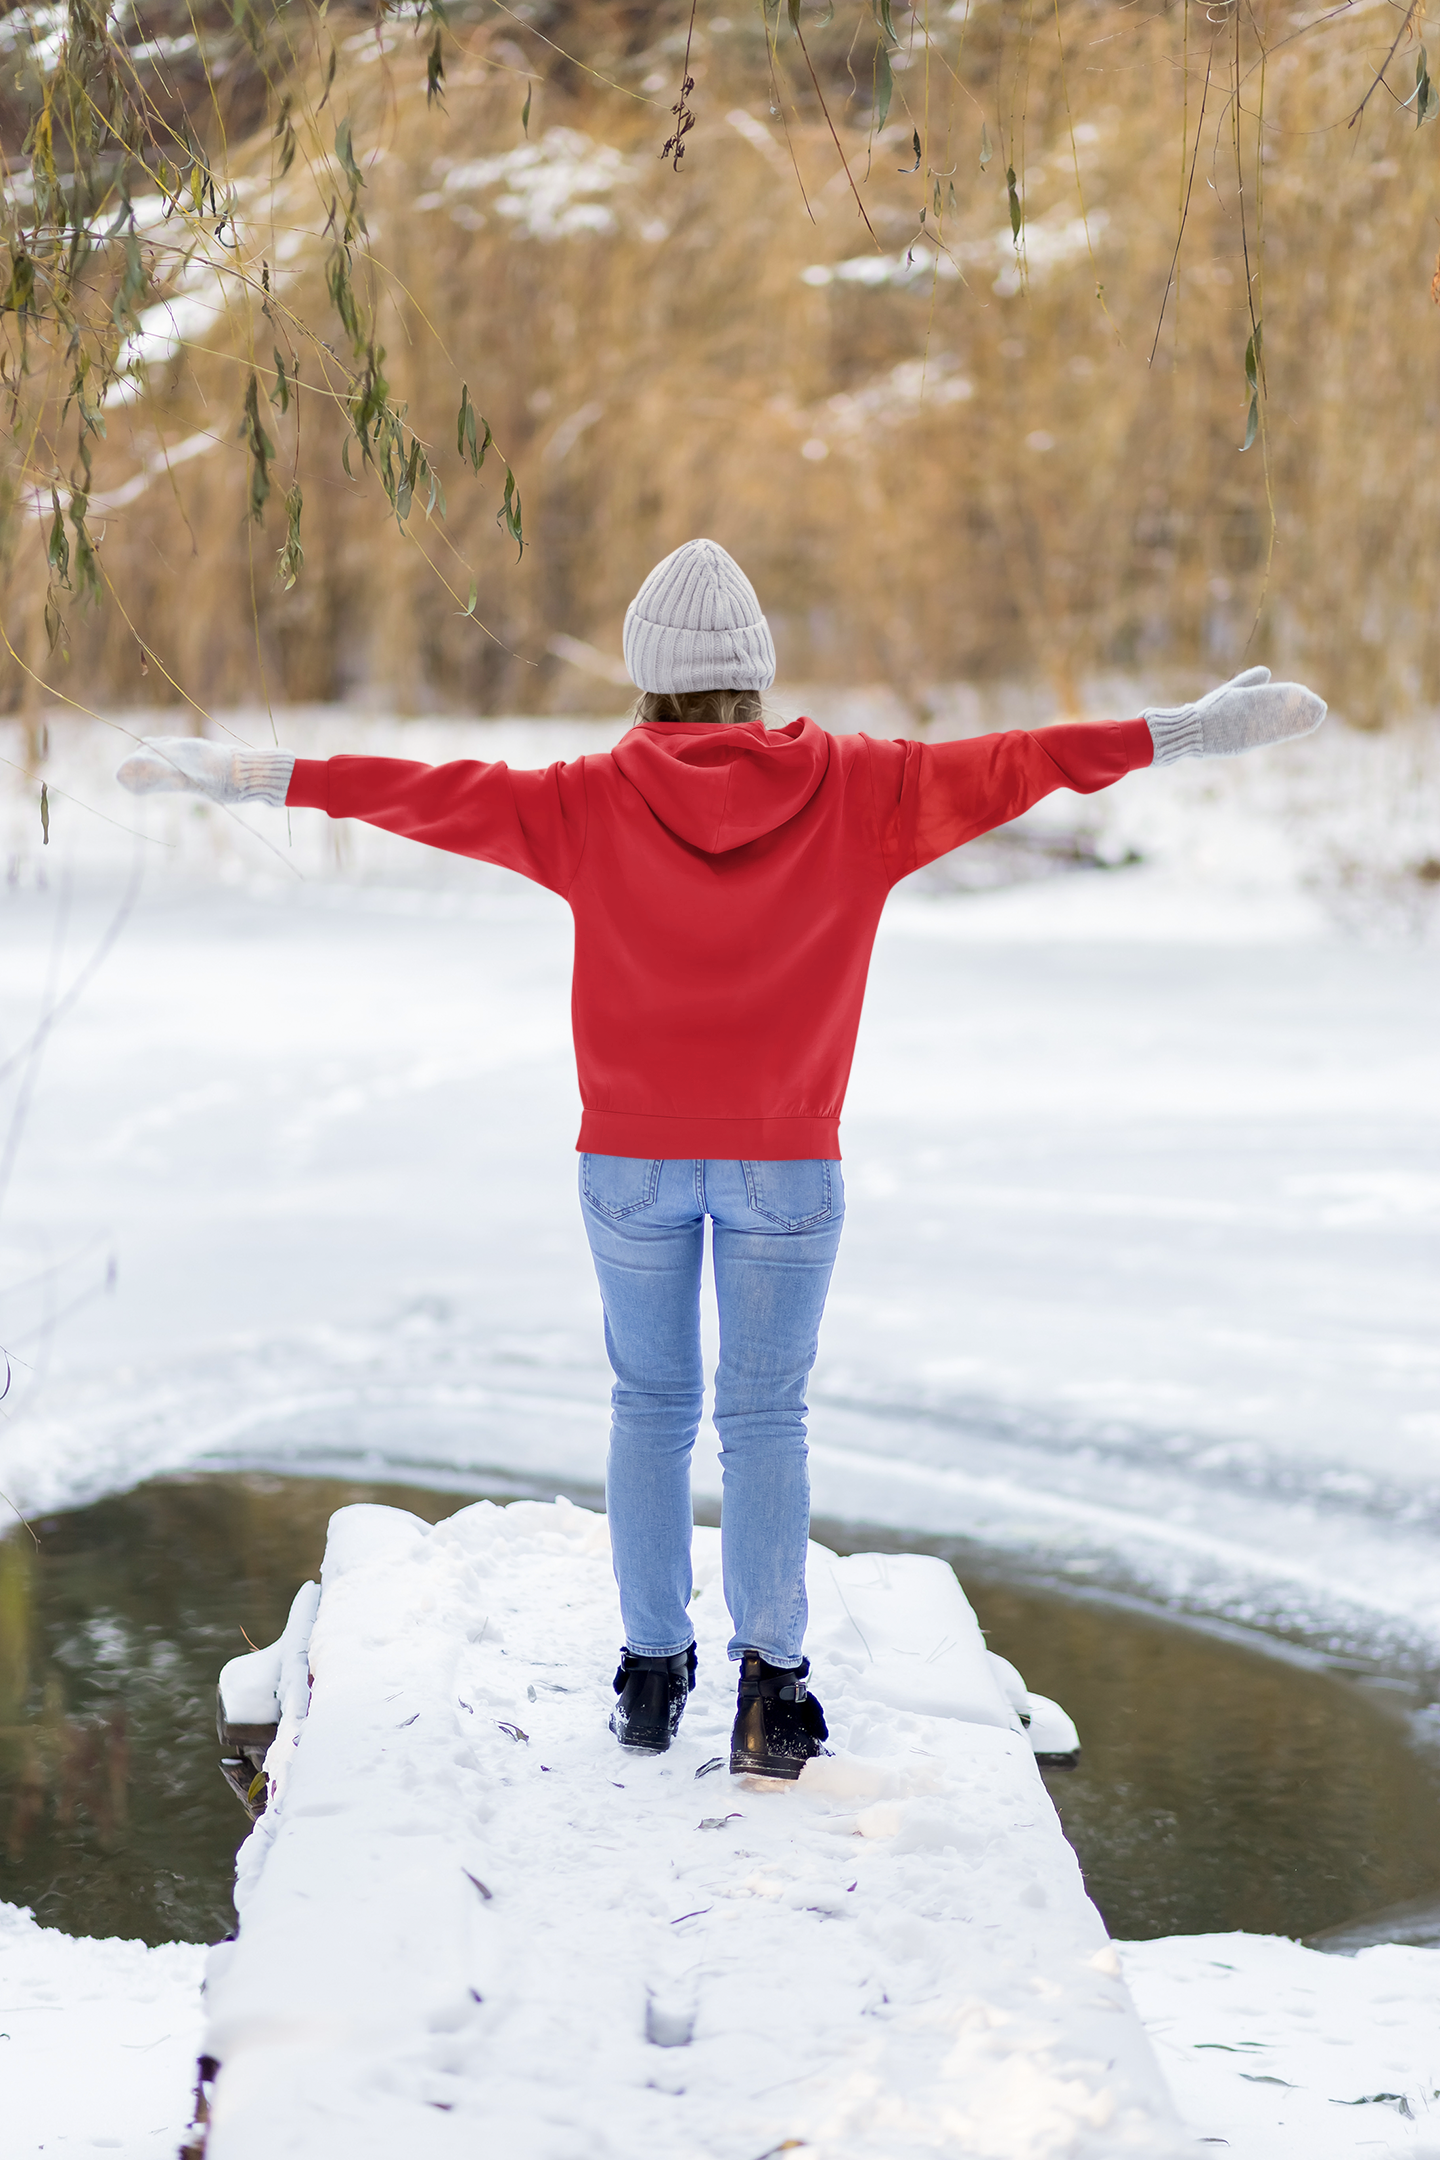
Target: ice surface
469	1917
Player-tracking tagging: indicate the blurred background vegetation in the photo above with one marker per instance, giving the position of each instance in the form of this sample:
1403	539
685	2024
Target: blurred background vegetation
886	332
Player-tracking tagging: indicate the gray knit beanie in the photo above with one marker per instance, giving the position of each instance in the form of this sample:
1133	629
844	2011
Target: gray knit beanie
696	624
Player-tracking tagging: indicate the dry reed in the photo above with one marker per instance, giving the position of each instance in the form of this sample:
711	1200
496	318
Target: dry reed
968	469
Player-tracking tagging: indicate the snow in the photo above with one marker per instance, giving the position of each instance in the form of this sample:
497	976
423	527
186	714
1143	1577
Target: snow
98	2042
1273	2049
546	183
894	1954
1138	1282
262	1686
893	397
1044	245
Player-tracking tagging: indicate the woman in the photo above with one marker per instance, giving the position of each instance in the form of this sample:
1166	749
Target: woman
726	881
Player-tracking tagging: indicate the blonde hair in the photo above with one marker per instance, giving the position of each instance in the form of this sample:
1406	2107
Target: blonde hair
723	708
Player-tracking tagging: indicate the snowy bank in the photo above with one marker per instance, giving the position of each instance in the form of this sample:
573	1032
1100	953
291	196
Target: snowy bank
98	2042
1270	2050
467	1914
1273	2051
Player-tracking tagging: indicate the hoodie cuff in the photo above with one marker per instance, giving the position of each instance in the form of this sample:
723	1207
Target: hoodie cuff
1176	732
262	775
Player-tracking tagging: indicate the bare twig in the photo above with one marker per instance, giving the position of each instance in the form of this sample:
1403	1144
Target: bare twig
23	1521
58	1010
844	161
1185	212
777	105
1380	77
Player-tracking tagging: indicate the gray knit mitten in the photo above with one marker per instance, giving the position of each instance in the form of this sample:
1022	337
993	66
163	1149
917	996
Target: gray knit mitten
1243	714
167	764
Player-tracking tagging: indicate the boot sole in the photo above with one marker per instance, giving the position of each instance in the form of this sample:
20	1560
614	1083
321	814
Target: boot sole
642	1747
771	1766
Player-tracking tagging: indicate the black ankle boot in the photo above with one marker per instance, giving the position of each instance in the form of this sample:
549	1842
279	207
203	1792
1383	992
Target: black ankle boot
652	1692
778	1723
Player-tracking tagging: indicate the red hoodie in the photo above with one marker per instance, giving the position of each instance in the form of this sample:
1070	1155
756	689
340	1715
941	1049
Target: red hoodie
726	884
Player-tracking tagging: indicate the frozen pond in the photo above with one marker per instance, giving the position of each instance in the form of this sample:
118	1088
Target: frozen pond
1219	1788
1139	1276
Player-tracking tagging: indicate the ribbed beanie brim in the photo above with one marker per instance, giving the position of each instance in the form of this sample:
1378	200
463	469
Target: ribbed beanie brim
696	624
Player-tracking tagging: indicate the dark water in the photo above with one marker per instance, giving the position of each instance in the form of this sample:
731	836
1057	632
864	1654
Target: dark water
1219	1788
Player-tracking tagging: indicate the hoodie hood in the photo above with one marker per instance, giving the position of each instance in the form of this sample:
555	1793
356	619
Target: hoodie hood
718	788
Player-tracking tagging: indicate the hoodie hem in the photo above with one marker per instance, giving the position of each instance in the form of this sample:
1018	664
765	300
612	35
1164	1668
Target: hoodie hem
648	1137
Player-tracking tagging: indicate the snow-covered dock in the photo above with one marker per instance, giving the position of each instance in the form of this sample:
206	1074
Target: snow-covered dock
466	1915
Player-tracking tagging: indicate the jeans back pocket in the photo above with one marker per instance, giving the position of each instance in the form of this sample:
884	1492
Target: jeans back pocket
795	1195
619	1185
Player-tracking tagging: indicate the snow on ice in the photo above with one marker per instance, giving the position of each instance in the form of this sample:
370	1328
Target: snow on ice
1273	2049
98	2042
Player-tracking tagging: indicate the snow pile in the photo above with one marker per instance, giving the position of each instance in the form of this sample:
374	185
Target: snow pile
915	386
466	1915
911	266
553	189
98	2042
1273	2050
1045	244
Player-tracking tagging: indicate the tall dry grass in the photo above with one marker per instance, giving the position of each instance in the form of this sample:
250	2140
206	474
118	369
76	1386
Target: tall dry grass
932	477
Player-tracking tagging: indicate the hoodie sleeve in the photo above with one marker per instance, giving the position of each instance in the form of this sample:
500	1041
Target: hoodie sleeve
933	797
533	822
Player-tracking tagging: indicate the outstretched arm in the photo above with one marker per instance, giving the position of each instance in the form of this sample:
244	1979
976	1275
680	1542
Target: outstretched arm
533	822
951	792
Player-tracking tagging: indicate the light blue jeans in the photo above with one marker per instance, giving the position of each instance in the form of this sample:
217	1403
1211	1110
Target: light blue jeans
777	1226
